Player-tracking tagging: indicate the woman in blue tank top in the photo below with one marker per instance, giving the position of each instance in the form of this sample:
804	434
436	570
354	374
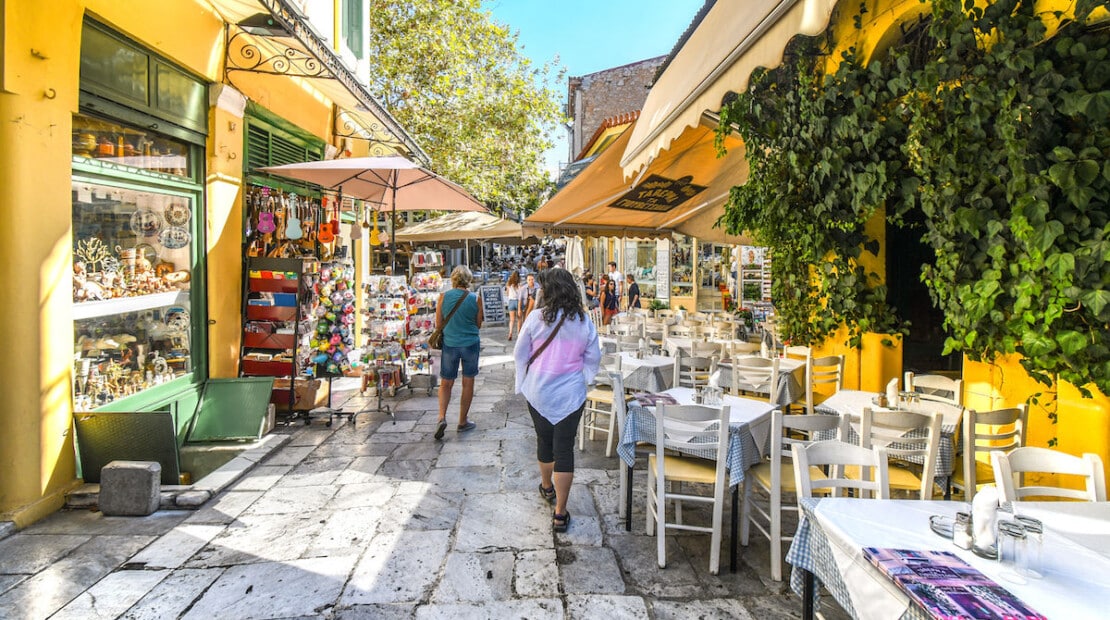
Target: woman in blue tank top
460	346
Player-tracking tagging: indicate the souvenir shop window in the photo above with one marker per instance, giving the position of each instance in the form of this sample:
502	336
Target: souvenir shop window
132	272
682	267
111	142
640	263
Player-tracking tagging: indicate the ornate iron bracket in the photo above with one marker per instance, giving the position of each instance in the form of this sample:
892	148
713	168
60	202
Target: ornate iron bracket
244	55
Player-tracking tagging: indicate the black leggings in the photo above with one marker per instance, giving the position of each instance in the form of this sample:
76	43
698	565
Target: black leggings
555	442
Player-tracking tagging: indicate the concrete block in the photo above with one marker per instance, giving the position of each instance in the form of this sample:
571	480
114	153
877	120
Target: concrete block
130	488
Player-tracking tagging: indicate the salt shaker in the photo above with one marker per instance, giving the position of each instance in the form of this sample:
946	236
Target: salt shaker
1034	546
961	530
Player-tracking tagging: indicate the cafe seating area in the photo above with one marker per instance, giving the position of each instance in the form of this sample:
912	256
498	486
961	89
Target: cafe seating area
797	441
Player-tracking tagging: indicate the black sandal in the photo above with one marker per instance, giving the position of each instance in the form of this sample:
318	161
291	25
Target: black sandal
548	493
560	522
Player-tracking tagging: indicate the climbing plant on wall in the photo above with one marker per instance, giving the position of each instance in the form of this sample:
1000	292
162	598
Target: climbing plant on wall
998	130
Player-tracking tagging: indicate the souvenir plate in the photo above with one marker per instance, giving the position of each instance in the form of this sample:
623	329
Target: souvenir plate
174	238
146	223
177	214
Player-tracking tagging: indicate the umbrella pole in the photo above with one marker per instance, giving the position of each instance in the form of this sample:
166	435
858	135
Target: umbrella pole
393	226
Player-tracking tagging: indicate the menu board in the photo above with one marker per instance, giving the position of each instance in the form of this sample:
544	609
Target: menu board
493	304
663	269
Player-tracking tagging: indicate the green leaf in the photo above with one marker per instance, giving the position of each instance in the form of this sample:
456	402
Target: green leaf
1097	301
1071	342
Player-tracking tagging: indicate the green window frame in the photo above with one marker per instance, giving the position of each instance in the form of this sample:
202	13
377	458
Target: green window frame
353	25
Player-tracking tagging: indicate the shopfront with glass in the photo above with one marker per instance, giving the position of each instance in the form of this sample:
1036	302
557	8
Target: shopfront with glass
138	234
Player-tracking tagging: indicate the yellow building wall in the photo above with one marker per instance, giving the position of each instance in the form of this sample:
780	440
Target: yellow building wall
39	79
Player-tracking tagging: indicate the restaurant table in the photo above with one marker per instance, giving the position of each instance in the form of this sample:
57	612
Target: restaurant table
749	426
673	344
828	547
853	402
790	386
653	373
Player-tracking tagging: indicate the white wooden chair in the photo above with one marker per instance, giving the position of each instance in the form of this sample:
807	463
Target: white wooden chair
688	426
754	376
984	432
664	314
597	415
620	411
824	377
833	458
1011	467
736	348
797	352
888	430
629	343
703	348
693	372
775	477
936	387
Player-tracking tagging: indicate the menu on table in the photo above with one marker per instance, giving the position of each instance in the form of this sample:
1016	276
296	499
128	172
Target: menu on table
948	588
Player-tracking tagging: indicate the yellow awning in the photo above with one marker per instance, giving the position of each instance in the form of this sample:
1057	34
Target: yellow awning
732	40
267	37
588	205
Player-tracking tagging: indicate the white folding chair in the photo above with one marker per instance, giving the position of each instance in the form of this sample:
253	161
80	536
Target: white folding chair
984	432
834	457
679	427
936	387
598	412
754	376
1010	469
890	430
693	372
775	476
824	377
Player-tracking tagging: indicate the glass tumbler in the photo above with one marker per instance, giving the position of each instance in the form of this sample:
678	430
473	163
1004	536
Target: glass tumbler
1011	550
1034	546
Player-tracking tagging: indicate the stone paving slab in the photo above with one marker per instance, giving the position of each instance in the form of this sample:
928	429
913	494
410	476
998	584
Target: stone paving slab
520	609
173	595
273	590
475	577
583	607
111	596
397	567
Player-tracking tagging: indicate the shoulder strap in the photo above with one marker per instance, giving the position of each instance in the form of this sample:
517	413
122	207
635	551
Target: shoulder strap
457	304
545	342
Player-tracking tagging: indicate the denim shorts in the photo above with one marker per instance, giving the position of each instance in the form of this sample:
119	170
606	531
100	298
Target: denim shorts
451	356
512	305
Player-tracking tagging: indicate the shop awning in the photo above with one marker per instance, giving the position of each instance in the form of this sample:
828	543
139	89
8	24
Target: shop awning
273	37
599	202
732	40
460	226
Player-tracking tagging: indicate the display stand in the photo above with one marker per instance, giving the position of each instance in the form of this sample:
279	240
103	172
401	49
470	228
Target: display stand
419	362
279	305
387	308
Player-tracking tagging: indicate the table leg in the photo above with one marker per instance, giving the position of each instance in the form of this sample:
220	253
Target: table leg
628	501
732	532
809	592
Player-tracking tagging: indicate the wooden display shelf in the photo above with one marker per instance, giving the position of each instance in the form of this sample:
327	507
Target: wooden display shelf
272	285
267	369
271	313
259	340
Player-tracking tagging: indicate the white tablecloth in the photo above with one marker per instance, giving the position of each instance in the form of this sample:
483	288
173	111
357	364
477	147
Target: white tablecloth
653	373
1074	586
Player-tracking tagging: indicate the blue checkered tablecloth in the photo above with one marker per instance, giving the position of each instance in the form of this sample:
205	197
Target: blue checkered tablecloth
743	452
789	389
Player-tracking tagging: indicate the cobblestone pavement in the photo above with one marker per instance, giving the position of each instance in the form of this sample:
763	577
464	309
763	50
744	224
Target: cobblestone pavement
375	519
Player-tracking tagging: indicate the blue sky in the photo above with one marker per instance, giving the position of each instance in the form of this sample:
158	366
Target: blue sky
591	35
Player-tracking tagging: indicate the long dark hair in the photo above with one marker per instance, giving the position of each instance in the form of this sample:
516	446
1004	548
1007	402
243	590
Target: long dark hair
560	292
514	279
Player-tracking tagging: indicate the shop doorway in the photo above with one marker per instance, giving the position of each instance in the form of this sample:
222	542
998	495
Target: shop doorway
923	346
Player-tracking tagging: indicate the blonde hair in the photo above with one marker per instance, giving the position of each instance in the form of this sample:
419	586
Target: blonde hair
461	277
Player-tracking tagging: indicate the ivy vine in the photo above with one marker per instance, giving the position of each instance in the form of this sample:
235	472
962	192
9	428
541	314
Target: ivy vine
996	131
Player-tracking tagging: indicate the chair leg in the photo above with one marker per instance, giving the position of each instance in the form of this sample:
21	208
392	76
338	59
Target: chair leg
650	504
745	519
677	488
776	535
611	438
628	500
718	519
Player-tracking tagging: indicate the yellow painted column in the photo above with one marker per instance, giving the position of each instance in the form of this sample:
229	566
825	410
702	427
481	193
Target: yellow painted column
225	229
37	99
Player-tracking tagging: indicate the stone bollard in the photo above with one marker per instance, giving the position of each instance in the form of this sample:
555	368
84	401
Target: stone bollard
130	488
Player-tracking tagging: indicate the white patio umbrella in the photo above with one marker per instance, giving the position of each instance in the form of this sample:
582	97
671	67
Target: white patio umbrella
574	255
396	183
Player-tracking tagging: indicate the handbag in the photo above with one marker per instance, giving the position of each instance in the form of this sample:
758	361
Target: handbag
545	343
435	341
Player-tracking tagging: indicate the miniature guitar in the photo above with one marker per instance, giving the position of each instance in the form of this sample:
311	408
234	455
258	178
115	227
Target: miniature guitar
375	238
325	234
292	223
266	223
355	231
335	220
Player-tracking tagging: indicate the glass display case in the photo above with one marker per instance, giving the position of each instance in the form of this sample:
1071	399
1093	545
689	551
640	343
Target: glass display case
713	264
639	262
132	268
110	142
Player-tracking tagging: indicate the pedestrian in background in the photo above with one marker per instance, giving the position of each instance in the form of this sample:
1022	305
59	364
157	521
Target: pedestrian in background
528	297
512	301
591	292
557	355
610	301
633	293
461	344
616	276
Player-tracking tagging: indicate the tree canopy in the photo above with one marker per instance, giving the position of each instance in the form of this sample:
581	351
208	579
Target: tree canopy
456	80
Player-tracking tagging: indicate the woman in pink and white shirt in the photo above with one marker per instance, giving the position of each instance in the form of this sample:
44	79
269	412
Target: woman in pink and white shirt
555	385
